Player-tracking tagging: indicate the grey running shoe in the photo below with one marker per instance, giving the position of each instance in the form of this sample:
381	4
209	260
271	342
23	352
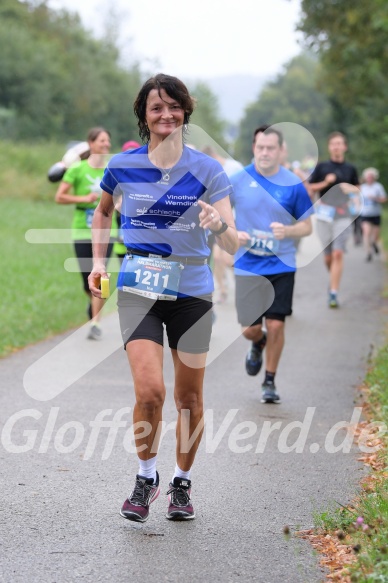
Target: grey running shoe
333	301
180	506
137	505
95	333
269	394
254	358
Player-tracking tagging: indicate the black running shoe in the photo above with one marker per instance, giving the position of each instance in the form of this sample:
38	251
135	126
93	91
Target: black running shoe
180	506
137	505
375	248
254	358
269	394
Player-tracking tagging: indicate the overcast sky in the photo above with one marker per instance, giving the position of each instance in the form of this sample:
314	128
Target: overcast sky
200	38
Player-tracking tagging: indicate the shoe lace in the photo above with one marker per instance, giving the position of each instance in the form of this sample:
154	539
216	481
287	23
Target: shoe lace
141	493
179	496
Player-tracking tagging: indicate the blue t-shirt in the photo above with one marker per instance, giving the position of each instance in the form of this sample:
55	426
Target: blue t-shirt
258	202
160	211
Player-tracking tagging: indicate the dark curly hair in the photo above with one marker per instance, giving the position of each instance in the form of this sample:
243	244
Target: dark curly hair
174	88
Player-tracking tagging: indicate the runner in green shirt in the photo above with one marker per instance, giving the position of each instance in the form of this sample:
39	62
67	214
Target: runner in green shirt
81	186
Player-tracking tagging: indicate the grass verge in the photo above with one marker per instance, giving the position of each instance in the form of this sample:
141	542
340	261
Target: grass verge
353	541
39	297
24	169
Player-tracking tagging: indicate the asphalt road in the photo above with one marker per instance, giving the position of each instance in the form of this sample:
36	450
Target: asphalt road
64	478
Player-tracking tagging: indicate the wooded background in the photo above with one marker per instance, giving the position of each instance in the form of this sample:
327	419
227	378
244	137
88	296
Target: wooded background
57	81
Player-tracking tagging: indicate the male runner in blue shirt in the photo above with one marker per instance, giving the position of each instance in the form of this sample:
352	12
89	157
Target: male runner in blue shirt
272	209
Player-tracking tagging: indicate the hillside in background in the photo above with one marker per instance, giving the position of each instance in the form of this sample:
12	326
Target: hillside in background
235	92
57	80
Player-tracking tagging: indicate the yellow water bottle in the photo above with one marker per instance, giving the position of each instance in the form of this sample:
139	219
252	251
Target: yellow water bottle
105	291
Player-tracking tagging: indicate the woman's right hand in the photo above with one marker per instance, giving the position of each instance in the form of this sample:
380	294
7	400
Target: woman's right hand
94	279
92	197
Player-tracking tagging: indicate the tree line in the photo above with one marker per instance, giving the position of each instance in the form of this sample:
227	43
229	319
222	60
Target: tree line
351	39
57	80
339	82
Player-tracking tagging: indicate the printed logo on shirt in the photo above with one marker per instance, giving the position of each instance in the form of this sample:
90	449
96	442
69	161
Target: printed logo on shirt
94	183
253	184
142	211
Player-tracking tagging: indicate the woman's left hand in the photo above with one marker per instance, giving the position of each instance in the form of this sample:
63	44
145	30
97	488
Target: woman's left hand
209	218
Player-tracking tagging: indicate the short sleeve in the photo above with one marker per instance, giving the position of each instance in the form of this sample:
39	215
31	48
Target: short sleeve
382	192
316	175
303	205
219	187
355	177
70	176
109	182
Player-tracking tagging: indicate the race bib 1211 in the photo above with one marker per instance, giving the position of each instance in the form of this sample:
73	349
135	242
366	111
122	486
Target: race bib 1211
150	277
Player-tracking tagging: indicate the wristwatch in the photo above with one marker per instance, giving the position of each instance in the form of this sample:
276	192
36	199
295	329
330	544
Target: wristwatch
222	229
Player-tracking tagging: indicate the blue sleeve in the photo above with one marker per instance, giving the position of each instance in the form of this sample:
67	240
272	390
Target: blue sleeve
235	180
109	182
303	206
219	187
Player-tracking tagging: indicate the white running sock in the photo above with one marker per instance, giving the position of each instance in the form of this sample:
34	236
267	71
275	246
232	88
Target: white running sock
147	468
181	474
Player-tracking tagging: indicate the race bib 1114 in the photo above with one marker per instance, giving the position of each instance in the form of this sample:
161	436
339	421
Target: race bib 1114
263	243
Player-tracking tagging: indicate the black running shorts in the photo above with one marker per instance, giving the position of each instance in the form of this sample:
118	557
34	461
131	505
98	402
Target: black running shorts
268	296
188	321
376	220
